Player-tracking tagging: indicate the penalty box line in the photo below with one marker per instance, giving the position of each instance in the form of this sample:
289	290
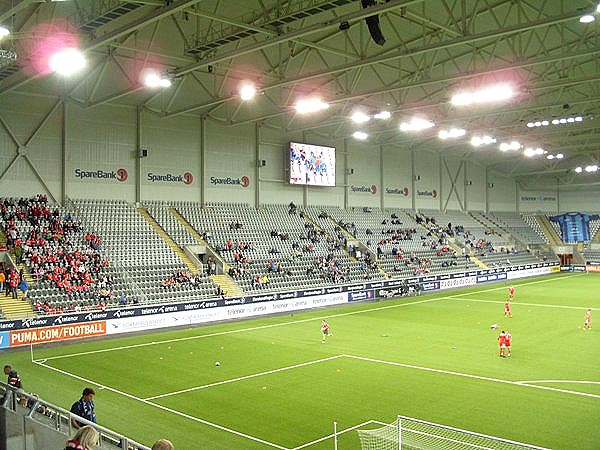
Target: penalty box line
539	305
293	322
246	377
163	408
476	377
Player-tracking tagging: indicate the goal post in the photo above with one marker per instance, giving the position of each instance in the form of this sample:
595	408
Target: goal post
409	433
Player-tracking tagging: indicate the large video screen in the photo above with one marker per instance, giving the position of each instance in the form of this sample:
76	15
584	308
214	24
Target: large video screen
312	164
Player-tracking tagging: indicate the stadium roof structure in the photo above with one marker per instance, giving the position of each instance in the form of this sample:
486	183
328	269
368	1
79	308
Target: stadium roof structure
427	51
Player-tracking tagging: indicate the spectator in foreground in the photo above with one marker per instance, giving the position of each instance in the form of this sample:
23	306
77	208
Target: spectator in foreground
163	444
86	438
84	408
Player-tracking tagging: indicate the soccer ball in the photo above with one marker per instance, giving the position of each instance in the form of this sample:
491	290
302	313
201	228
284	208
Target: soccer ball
217	363
494	326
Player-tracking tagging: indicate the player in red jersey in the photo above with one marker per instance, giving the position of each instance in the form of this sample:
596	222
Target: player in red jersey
511	292
587	325
507	311
502	343
507	342
325	330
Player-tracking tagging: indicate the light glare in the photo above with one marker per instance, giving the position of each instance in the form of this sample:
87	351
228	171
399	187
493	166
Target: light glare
4	32
578	169
360	117
361	136
490	94
247	92
312	104
587	18
67	61
416	124
383	115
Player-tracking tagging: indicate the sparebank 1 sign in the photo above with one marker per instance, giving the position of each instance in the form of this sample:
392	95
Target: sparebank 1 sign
243	181
171	178
119	175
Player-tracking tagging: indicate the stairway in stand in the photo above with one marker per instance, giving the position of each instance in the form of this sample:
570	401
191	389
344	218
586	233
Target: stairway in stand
16	308
170	242
224	281
227	285
549	230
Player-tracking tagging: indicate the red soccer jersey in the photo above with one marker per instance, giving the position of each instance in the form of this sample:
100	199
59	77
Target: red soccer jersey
588	317
511	291
507	339
501	339
507	306
324	326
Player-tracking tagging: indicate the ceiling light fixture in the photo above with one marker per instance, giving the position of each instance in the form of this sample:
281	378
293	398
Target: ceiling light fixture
587	18
67	61
360	117
309	105
578	169
361	136
416	124
247	91
4	32
496	93
451	133
477	141
383	115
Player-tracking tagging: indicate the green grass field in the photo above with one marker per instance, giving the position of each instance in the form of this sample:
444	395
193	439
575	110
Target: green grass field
279	384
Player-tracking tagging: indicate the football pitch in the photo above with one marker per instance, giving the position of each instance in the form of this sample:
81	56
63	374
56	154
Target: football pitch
432	357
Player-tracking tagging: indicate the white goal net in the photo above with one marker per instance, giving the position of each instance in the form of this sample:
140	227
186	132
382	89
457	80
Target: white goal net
408	433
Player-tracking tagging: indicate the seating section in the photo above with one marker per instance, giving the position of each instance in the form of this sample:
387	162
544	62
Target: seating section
403	247
141	257
120	259
286	248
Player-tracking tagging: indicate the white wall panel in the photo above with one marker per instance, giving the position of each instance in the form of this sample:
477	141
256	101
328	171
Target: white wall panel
364	184
427	188
476	191
579	201
172	170
230	163
453	184
502	196
101	141
397	178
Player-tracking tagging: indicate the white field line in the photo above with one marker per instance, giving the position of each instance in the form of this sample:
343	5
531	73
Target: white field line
247	377
477	377
559	381
332	435
292	322
541	305
164	408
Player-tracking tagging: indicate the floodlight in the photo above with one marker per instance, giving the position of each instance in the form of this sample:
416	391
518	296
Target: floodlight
587	18
361	136
537	123
67	61
559	156
504	146
555	121
416	124
545	123
452	133
152	80
515	145
489	94
312	104
578	119
578	169
530	124
383	115
529	152
540	151
164	83
598	8
247	91
563	120
360	117
550	156
593	168
4	32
